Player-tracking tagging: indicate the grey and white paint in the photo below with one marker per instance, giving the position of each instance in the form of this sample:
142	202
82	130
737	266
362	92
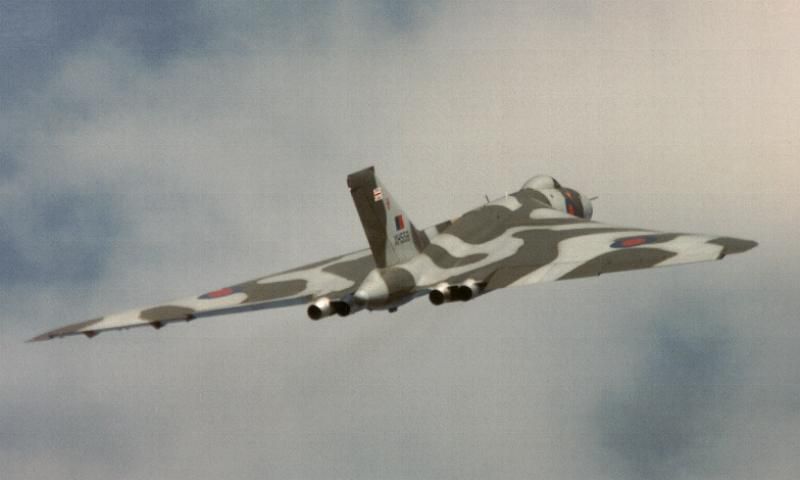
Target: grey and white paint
170	171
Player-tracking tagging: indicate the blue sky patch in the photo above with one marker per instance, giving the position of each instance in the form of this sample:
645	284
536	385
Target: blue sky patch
58	238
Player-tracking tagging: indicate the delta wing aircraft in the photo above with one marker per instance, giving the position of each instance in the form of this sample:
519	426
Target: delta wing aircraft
541	233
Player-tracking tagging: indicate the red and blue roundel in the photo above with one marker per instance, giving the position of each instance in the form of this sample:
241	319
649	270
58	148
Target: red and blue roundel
222	292
628	242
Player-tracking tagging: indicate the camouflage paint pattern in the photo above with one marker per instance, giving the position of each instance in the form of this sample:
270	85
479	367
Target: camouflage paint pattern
541	233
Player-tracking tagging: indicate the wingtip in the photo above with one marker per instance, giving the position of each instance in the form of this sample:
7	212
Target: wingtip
40	338
734	245
74	329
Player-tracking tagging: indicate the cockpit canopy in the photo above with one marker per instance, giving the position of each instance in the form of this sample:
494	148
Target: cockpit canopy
542	182
560	198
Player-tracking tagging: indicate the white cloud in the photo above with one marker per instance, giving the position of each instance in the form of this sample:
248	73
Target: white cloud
230	163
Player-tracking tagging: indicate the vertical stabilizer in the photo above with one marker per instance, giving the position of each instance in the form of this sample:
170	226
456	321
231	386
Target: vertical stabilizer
390	233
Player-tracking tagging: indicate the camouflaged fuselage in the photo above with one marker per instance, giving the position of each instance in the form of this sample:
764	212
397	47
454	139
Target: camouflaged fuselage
541	233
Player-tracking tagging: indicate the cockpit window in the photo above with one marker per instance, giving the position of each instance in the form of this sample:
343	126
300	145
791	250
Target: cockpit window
542	182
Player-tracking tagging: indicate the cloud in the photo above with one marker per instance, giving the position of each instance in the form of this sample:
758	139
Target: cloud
667	423
42	439
166	150
56	238
8	166
36	35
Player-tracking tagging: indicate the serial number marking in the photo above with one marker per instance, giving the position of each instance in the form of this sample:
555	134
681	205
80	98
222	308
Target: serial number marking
402	237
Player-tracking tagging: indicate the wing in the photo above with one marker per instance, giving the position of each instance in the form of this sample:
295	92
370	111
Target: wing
520	241
334	277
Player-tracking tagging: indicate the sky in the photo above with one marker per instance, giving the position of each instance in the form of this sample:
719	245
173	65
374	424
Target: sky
155	150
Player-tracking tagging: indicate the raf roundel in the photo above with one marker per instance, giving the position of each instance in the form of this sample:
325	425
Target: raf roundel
222	292
633	241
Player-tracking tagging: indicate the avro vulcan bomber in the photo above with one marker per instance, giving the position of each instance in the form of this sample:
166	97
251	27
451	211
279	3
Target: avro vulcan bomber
541	233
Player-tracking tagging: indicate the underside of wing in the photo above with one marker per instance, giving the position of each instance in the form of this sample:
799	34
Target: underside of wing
333	277
520	240
600	250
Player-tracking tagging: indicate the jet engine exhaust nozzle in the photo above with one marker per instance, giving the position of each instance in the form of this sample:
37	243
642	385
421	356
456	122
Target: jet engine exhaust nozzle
325	307
440	294
444	292
320	308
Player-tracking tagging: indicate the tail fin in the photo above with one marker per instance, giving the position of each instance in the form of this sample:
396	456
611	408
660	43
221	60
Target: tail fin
392	237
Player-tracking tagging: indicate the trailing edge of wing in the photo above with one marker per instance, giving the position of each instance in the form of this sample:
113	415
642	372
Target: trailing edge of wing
334	277
171	314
